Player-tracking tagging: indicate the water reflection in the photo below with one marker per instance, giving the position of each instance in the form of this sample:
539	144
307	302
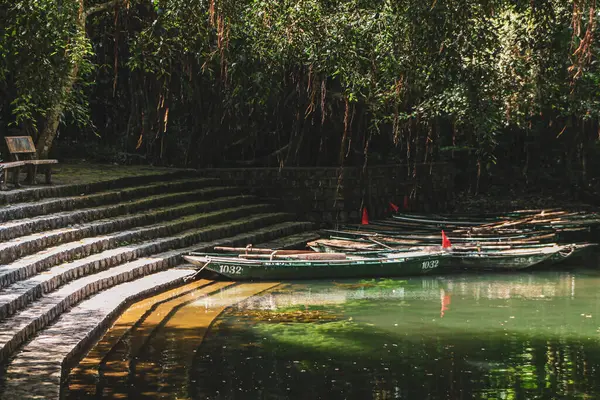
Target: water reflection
505	336
493	337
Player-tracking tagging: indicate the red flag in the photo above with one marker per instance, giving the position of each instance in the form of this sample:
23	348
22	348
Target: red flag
406	202
445	241
394	207
365	217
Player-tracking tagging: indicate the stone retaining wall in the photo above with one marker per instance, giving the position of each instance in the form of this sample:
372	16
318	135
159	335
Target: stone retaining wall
334	195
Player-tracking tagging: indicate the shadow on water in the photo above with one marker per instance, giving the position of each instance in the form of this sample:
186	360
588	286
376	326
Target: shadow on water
457	367
493	336
506	336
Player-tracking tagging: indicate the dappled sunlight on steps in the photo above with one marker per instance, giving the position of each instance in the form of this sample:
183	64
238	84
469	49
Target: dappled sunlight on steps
111	241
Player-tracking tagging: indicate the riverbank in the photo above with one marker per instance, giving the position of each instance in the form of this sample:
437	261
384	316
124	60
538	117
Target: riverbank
75	252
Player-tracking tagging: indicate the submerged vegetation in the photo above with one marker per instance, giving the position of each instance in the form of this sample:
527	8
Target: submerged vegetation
492	342
503	88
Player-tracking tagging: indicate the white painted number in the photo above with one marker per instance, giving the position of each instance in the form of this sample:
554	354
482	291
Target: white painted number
430	264
230	269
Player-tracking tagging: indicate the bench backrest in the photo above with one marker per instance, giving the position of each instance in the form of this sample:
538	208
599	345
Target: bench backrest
20	145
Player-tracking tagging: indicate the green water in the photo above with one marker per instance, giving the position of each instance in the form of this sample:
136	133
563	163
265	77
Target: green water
498	336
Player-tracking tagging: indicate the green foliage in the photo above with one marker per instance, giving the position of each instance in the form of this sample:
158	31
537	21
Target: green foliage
40	41
314	82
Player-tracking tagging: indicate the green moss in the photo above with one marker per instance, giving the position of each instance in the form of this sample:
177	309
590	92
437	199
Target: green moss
89	172
382	283
291	315
330	337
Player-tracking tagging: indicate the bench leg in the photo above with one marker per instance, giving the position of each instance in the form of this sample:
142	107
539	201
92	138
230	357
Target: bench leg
3	178
49	175
31	172
16	172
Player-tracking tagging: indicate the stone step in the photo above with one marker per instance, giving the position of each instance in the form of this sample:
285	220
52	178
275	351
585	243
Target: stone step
131	330
25	324
35	263
26	245
22	227
26	369
135	362
30	378
18	295
51	205
136	320
37	193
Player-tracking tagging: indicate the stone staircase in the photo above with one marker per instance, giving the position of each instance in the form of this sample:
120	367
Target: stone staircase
60	245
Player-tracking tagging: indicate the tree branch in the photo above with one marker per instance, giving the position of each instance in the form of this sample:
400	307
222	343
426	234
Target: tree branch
102	7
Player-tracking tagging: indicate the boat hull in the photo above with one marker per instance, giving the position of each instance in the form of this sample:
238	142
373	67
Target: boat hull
517	260
485	262
239	269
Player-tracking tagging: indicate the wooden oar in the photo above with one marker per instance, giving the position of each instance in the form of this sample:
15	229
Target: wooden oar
255	250
305	256
379	243
247	249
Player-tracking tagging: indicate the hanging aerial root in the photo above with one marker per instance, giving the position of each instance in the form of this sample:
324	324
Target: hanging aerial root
346	126
323	95
583	53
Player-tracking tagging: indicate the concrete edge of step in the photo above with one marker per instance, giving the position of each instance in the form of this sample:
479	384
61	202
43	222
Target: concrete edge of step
92	288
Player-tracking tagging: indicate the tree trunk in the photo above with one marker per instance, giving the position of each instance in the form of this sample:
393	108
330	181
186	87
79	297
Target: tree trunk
48	134
44	142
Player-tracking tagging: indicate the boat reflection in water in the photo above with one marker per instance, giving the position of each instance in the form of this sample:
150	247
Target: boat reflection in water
499	286
497	336
460	337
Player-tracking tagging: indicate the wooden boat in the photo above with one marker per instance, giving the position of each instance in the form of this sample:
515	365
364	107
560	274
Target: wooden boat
577	228
337	245
439	222
481	256
364	247
373	230
571	251
514	259
566	222
484	216
435	238
312	265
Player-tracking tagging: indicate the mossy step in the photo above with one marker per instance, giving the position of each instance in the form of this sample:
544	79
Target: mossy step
22	227
51	205
25	324
20	294
36	193
31	265
26	245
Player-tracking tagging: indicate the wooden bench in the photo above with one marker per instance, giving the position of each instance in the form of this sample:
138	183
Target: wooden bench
23	153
